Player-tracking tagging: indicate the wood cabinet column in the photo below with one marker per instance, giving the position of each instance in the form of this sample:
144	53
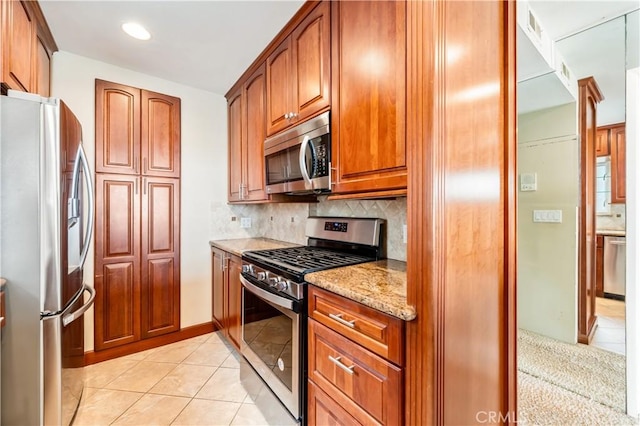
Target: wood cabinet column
461	121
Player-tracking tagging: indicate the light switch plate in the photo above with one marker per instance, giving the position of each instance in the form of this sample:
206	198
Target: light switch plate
547	216
245	222
528	182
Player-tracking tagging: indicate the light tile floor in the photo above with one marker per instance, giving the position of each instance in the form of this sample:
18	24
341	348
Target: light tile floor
194	382
610	332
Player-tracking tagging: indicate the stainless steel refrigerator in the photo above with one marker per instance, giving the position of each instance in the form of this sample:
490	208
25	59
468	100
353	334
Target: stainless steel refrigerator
46	213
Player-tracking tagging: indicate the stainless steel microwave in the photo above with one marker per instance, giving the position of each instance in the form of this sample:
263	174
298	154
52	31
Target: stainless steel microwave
298	161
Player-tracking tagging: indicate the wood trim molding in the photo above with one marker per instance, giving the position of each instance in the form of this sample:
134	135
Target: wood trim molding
93	357
461	348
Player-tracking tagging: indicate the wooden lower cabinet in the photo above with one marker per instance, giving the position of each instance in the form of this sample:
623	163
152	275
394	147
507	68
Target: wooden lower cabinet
323	410
226	292
348	382
137	259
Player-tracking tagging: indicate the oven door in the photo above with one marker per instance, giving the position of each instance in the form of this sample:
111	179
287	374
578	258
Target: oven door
271	342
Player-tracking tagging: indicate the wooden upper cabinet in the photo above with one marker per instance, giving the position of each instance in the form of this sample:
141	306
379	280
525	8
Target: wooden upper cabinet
138	131
279	88
246	115
618	164
18	45
27	46
117	128
298	72
234	116
160	141
311	42
602	142
253	143
369	96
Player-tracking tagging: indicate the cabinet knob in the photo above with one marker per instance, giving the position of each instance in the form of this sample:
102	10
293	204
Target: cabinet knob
286	115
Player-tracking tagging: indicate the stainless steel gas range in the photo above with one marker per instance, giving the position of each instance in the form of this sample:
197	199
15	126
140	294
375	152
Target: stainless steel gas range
273	299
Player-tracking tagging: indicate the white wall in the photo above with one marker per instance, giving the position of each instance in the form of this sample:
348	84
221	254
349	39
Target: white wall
548	252
632	136
204	166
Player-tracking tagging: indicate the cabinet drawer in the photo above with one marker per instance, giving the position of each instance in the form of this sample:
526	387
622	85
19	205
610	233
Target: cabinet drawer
325	411
376	331
346	371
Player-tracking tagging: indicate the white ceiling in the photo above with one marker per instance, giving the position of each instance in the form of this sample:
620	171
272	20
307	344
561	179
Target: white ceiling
208	44
203	44
591	35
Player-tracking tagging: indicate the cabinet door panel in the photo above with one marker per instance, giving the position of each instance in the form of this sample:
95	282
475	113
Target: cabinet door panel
117	128
369	95
618	165
280	80
325	411
311	53
373	383
602	142
253	161
117	305
160	289
235	146
18	45
160	135
217	288
117	260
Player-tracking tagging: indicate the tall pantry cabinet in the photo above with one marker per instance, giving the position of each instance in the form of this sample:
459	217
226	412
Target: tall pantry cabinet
137	263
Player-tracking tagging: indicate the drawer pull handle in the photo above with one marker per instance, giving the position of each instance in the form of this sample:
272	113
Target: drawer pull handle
337	362
338	317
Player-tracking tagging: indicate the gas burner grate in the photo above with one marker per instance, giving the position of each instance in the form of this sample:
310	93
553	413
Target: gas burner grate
307	259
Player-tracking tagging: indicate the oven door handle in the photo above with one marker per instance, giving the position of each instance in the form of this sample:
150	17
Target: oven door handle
276	300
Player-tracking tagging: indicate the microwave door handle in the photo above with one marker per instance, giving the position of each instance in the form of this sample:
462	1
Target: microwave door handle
303	163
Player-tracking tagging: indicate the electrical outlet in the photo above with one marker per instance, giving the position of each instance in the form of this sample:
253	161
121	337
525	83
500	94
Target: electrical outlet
245	222
404	234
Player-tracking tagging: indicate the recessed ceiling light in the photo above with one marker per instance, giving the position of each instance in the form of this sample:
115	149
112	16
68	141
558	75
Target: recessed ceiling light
136	31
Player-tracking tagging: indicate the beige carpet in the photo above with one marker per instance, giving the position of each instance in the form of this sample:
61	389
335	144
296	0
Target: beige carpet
565	384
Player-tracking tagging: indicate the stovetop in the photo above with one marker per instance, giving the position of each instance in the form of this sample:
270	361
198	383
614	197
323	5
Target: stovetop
305	259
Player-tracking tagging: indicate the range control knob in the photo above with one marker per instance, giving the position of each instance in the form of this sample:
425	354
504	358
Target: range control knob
282	285
262	275
273	281
247	269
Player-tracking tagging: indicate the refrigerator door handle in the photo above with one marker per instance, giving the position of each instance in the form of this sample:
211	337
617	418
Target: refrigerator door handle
71	317
74	204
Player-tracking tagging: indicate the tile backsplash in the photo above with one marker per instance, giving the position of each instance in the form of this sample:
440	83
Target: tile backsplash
286	221
614	221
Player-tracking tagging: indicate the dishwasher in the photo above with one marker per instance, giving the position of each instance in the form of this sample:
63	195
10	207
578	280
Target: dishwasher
614	267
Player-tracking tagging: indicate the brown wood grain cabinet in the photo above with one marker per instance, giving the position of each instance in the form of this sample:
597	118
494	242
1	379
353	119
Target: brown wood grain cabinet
226	291
27	45
298	72
117	260
160	266
369	57
602	142
618	164
610	140
137	215
246	122
357	367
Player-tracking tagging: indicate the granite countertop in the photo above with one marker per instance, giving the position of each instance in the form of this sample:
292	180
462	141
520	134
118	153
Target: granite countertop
381	285
614	232
237	246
